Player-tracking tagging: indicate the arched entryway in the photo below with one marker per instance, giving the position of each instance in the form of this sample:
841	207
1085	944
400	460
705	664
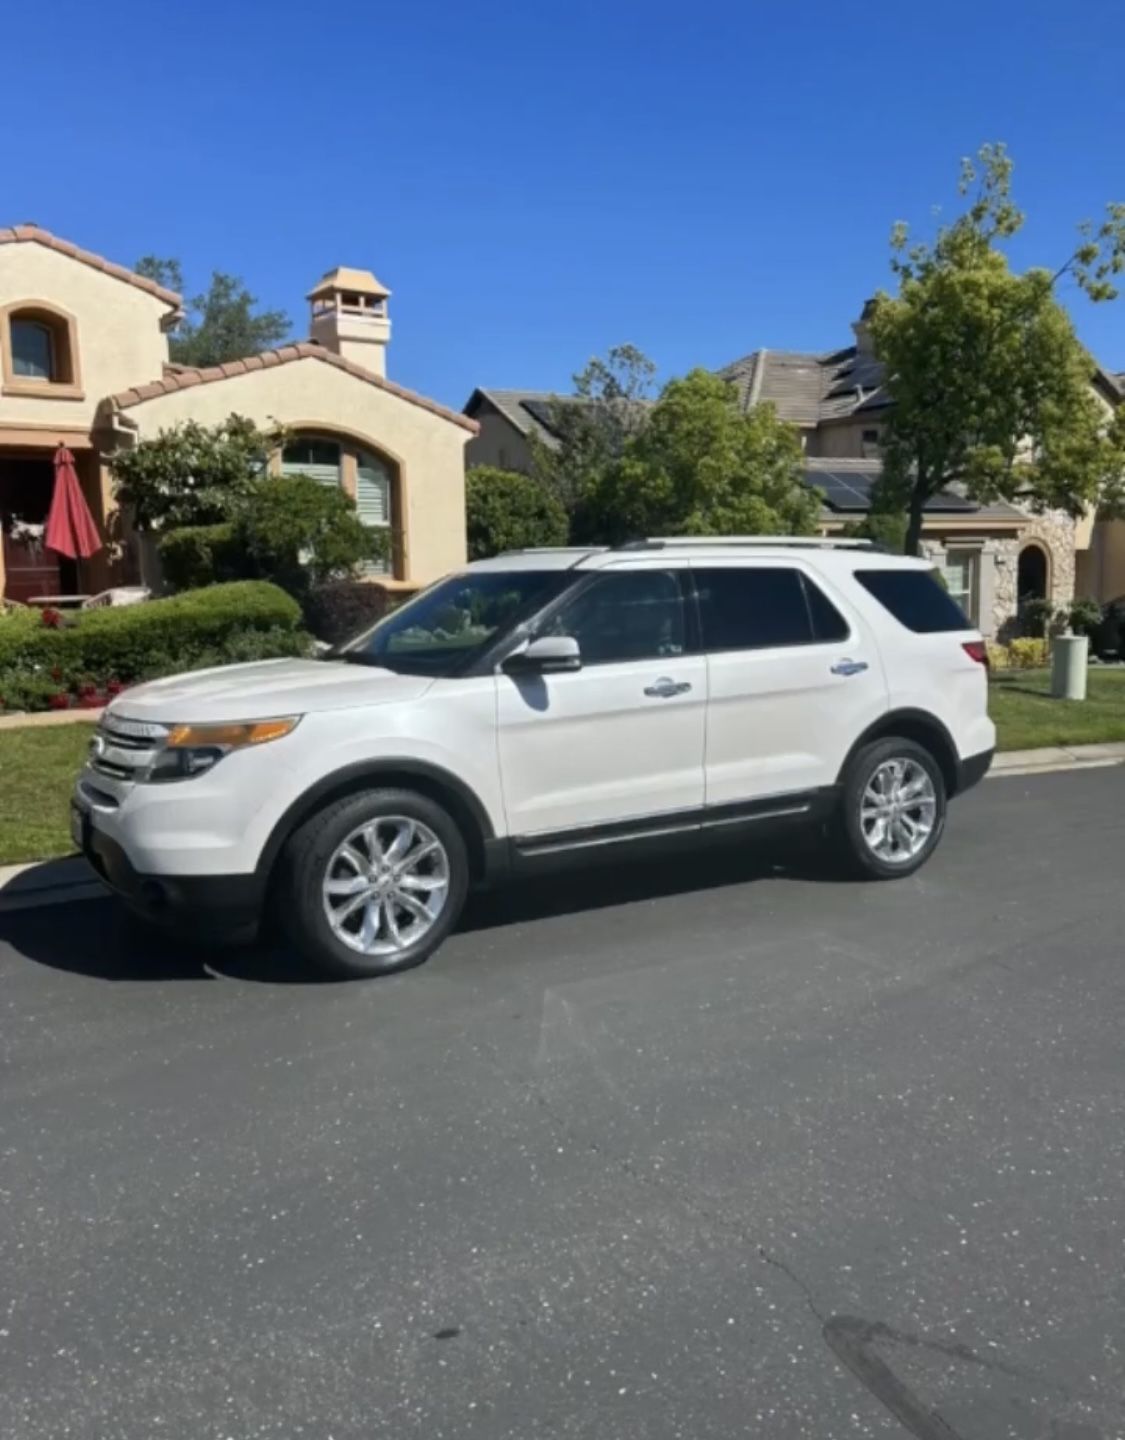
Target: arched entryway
1034	573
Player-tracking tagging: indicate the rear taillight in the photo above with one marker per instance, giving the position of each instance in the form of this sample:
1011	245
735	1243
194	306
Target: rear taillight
976	650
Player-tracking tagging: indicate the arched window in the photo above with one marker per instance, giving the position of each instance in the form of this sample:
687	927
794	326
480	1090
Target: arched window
33	349
39	350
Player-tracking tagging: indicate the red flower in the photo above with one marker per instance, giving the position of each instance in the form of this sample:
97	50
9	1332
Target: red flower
51	618
59	701
114	687
89	700
56	673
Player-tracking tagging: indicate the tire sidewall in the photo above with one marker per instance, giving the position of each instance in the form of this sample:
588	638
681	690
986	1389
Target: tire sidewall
859	773
312	848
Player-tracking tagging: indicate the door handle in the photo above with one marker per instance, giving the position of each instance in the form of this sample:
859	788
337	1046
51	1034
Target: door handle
849	667
665	688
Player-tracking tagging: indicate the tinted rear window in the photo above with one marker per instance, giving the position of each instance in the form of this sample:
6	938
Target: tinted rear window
915	599
760	608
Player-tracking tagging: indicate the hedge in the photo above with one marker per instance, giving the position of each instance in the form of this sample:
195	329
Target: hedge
200	555
88	656
339	609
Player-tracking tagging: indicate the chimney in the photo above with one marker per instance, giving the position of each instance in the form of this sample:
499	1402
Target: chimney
349	316
863	341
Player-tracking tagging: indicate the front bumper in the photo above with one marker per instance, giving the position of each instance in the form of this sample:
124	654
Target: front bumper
972	770
212	904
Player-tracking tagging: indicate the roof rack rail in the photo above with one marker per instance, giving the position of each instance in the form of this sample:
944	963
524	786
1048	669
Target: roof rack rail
789	542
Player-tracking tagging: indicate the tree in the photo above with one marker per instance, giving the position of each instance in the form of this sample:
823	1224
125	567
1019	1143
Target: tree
699	466
192	474
886	528
592	427
507	511
989	384
296	532
222	323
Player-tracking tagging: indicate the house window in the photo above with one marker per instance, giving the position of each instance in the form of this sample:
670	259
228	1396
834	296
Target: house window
39	351
32	350
318	459
962	579
373	502
869	444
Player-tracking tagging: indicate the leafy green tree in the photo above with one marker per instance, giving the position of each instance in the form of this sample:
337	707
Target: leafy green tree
508	511
592	427
192	474
297	532
885	527
990	386
699	466
223	323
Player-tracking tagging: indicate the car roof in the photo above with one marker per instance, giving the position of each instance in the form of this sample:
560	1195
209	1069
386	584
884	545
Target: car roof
828	554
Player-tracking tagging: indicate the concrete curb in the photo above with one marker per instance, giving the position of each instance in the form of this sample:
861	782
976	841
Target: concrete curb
57	882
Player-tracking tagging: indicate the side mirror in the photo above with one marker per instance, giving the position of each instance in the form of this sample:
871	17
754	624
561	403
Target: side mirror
549	655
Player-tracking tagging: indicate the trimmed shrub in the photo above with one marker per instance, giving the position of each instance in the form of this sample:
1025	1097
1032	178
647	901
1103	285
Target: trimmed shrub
1038	618
998	656
1029	653
339	609
1085	616
96	651
198	555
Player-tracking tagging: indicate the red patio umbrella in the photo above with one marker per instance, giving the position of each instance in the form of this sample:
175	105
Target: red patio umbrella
70	526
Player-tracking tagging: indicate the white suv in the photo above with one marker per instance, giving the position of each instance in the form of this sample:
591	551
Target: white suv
536	709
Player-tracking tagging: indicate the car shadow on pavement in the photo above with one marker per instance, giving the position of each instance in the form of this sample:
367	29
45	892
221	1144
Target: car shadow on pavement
97	937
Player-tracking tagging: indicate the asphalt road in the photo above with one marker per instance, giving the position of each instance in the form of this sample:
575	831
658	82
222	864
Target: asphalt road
710	1151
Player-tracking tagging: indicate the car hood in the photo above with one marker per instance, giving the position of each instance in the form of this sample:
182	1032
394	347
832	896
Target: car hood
265	689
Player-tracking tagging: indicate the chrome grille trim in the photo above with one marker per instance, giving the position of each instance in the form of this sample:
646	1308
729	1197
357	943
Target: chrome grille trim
124	749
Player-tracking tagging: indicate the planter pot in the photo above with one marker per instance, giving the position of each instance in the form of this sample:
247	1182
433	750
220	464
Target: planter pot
1070	660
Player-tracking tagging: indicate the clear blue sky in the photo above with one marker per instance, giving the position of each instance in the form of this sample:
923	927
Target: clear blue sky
538	181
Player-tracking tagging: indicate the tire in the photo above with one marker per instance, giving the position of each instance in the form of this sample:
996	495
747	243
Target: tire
859	839
381	912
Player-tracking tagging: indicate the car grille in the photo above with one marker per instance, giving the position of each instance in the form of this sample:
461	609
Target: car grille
124	749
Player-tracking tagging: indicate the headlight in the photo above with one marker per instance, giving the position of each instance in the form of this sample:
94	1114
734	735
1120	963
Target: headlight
191	749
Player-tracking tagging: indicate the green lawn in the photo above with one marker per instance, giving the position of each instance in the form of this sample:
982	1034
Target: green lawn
37	770
1026	716
38	764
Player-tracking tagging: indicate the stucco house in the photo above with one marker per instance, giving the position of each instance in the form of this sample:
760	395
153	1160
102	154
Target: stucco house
84	363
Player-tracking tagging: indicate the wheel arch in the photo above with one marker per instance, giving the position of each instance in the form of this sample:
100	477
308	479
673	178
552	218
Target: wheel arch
924	729
442	786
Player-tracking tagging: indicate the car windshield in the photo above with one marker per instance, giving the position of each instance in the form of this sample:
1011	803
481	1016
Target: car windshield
442	630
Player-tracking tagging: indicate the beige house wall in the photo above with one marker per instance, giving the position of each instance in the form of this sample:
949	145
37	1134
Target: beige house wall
118	335
499	443
842	442
1101	568
312	396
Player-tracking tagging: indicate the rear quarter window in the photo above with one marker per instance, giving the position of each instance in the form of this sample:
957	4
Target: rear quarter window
915	599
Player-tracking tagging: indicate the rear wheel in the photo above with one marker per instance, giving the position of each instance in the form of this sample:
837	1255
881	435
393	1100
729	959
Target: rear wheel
374	883
892	810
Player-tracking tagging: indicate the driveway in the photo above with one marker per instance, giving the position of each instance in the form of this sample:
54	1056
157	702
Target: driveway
709	1151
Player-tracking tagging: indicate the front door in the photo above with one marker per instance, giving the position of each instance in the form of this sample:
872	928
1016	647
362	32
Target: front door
794	678
622	738
30	569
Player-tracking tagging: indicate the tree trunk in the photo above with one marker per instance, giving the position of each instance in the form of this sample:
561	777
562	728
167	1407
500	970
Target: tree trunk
914	521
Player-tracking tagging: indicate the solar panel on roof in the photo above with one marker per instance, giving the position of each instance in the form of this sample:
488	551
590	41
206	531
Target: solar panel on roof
541	410
851	491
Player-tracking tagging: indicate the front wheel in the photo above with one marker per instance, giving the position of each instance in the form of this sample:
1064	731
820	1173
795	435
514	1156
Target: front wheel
892	810
374	882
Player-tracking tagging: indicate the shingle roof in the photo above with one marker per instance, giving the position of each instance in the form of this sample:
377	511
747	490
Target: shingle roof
16	234
183	377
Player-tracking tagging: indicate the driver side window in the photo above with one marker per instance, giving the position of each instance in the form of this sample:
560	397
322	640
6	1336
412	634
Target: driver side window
625	615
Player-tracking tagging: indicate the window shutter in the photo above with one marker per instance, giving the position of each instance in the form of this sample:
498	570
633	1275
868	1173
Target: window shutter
373	504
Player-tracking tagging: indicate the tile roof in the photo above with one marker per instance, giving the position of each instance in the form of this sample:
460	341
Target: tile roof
512	404
15	234
183	377
808	388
